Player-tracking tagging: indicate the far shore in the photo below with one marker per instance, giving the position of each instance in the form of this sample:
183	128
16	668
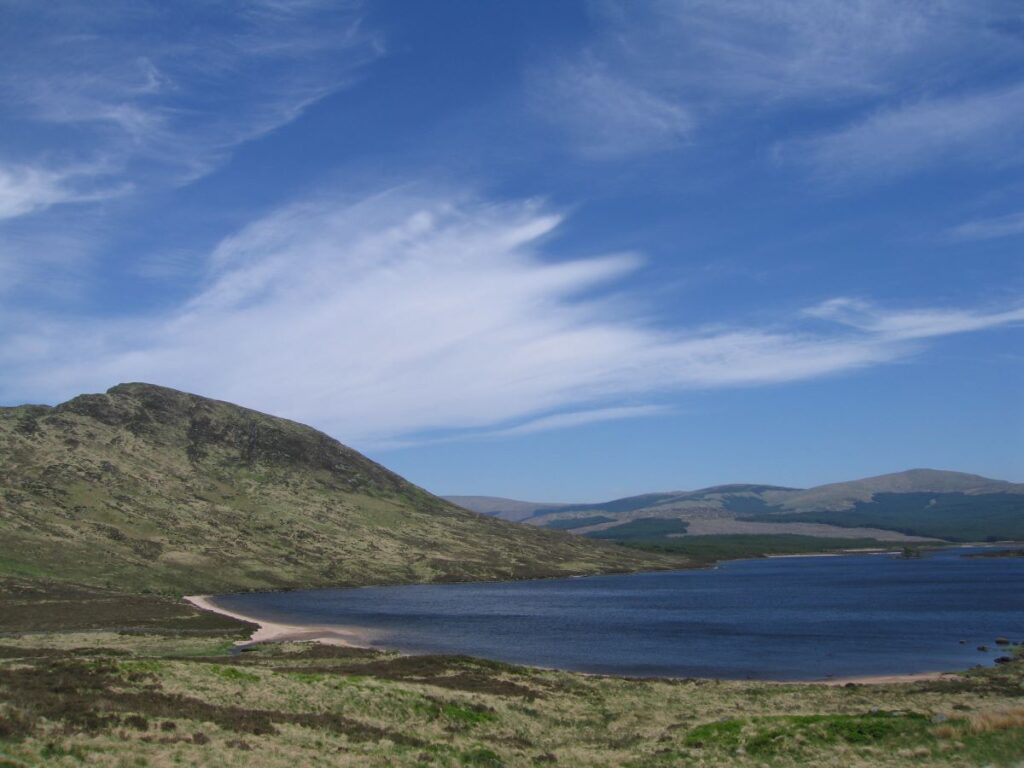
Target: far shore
275	632
833	553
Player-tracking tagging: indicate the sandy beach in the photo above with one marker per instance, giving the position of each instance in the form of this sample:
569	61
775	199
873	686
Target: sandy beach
886	679
271	631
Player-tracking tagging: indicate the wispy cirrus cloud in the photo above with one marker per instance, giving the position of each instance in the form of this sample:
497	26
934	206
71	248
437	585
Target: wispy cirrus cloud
398	315
990	228
580	418
978	128
609	116
102	99
26	189
706	63
757	50
912	324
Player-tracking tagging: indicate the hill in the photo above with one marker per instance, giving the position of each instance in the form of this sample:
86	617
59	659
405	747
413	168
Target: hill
148	488
840	496
900	507
496	506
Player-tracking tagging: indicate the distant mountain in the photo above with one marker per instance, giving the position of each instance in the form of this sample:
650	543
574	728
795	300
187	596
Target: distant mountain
524	510
918	503
146	487
506	509
846	495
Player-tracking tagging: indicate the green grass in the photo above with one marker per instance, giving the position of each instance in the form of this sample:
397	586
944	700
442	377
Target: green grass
235	674
467	714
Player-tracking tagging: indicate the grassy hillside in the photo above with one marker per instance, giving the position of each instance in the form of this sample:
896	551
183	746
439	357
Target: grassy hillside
147	488
954	516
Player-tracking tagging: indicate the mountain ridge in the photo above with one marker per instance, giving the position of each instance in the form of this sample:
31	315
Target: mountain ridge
886	507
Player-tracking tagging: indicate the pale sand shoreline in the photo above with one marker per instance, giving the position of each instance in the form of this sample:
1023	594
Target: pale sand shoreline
886	679
275	632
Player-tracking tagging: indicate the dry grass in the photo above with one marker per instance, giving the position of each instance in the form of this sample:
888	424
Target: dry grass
997	720
120	700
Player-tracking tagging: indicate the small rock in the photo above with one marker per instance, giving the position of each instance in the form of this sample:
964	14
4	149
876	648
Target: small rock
1004	660
939	718
983	648
1002	641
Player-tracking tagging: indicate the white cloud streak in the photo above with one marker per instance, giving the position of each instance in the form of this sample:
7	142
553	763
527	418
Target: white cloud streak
25	190
984	128
405	313
581	418
659	74
136	94
911	324
991	228
766	50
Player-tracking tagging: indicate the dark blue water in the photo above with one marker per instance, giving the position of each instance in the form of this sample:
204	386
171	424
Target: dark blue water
780	618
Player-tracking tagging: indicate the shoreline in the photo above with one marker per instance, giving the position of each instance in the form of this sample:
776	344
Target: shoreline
276	632
835	553
910	677
326	634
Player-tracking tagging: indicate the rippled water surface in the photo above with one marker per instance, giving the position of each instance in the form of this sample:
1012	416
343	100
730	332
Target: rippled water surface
776	618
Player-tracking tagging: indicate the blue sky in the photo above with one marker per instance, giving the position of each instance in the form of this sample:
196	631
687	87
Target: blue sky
559	251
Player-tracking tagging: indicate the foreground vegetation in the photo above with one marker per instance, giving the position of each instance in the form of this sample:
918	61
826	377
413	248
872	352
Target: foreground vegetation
158	686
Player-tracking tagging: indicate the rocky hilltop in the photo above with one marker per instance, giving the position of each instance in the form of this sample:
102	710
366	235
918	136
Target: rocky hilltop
145	487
